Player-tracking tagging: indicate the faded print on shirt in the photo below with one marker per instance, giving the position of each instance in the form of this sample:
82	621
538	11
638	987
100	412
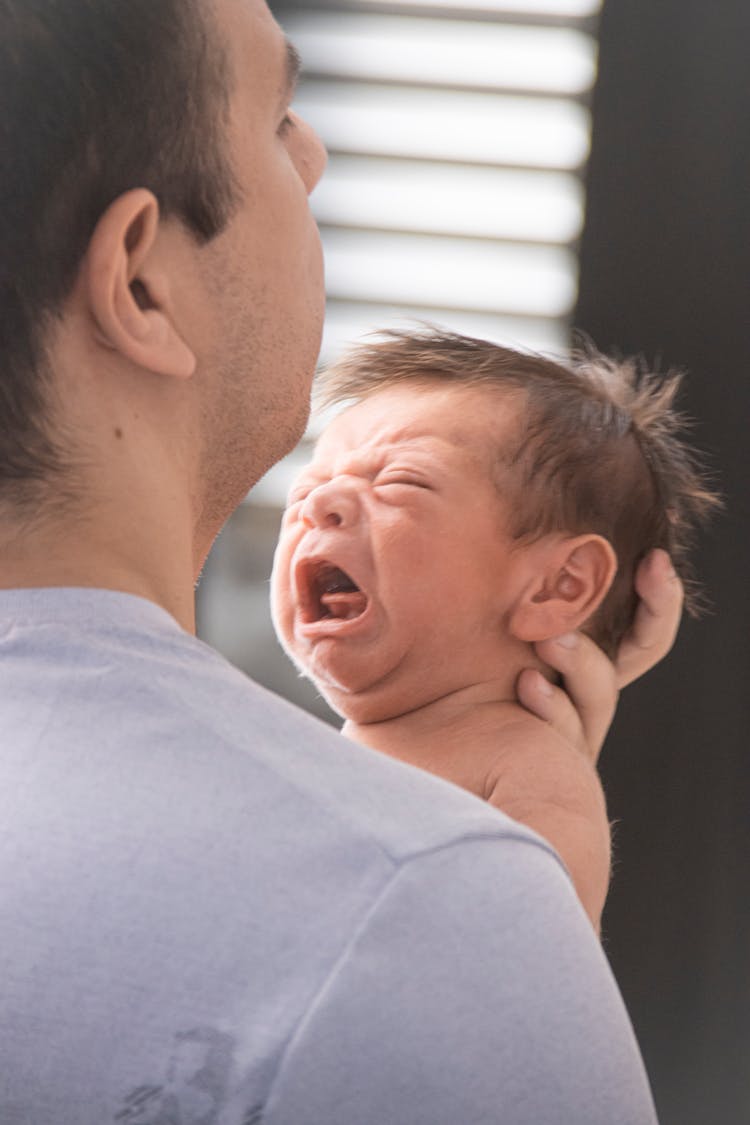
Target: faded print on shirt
196	1083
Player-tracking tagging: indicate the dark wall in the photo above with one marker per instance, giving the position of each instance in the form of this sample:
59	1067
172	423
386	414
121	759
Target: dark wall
666	272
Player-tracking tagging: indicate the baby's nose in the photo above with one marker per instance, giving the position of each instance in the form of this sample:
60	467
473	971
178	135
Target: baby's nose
333	504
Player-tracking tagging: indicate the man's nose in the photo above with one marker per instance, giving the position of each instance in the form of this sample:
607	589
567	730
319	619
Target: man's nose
333	504
312	155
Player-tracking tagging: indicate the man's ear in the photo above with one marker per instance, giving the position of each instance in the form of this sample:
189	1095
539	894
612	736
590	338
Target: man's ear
127	288
571	581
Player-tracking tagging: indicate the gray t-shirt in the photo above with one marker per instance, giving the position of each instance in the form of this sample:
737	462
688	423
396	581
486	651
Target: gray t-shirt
217	911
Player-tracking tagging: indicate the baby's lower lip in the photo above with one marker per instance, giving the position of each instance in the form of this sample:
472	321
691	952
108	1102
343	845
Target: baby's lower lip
334	626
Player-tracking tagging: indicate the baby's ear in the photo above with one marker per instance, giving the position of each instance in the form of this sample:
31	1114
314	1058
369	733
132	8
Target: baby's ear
568	586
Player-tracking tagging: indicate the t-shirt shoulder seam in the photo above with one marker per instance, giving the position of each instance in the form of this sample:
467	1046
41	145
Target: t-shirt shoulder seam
359	928
509	833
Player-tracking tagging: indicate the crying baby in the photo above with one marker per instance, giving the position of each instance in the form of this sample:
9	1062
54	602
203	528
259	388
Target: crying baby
468	501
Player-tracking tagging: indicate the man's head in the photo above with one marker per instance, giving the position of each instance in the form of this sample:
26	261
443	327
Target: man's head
480	498
154	229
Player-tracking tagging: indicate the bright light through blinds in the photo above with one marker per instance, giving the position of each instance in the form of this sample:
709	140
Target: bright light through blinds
497	203
457	137
470	128
573	9
387	48
534	280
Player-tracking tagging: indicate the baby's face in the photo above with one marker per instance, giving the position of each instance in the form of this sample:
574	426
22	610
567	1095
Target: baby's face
394	568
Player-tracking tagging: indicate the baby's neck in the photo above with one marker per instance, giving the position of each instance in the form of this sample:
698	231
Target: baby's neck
455	736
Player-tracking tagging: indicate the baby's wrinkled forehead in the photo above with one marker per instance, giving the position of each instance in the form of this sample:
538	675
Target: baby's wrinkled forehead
471	418
442	434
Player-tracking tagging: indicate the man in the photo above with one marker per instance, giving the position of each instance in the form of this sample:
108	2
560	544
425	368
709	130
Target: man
214	910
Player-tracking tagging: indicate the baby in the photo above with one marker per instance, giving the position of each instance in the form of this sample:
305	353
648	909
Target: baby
469	501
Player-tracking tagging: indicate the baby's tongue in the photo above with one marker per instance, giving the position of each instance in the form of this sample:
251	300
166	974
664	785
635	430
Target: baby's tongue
345	604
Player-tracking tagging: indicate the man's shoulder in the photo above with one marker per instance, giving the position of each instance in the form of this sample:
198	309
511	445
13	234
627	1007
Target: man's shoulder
118	672
402	810
200	861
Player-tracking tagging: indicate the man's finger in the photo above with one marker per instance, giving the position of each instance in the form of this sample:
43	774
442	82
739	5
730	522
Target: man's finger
552	704
583	712
657	618
589	680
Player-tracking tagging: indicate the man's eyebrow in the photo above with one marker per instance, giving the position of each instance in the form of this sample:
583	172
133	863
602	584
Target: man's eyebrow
293	65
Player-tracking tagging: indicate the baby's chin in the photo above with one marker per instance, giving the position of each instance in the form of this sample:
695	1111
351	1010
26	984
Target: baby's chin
377	684
369	703
349	703
350	687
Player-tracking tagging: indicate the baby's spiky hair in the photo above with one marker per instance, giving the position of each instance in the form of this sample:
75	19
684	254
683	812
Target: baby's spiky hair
600	448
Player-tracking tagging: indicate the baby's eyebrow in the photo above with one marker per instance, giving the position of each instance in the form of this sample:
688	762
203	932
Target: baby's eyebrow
421	443
398	442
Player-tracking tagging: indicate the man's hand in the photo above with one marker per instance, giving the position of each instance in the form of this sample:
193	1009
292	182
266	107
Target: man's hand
571	812
583	712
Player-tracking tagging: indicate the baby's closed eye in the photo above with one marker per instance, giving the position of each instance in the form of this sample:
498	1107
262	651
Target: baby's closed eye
403	477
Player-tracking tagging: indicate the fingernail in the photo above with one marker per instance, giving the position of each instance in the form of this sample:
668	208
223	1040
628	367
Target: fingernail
544	686
664	562
567	640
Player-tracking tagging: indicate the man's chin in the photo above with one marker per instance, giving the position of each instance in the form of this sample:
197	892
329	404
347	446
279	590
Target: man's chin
284	437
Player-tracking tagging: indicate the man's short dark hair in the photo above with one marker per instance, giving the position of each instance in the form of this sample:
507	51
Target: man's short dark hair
96	97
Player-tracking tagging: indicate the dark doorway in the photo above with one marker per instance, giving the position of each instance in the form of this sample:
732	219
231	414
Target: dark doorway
666	272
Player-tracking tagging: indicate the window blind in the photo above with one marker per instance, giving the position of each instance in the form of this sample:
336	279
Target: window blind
458	136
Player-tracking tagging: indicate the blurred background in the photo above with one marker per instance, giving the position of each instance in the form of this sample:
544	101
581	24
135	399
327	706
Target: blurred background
514	170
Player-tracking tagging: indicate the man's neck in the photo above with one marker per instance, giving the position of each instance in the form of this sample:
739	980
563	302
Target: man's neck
136	548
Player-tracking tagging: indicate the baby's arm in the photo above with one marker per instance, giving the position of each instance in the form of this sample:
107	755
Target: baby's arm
549	785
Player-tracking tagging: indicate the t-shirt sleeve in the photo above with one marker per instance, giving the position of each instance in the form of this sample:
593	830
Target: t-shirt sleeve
473	992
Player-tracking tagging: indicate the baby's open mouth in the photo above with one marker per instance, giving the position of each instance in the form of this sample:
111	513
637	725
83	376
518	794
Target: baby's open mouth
331	593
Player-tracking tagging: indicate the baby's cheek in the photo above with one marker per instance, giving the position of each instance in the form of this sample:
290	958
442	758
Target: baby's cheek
281	617
280	590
